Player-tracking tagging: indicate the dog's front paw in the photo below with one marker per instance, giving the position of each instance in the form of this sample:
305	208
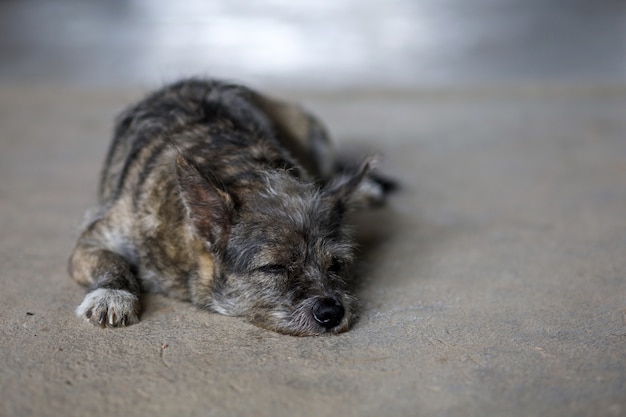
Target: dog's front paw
109	308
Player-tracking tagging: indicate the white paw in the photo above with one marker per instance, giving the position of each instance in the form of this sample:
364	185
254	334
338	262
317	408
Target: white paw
112	308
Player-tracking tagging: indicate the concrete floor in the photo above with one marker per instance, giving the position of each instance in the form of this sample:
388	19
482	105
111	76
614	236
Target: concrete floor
493	284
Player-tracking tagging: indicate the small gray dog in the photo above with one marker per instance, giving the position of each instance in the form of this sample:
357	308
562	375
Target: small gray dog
215	194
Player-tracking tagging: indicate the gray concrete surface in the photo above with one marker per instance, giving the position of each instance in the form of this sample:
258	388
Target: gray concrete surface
494	284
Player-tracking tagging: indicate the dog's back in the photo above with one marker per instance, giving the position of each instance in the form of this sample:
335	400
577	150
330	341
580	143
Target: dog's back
167	118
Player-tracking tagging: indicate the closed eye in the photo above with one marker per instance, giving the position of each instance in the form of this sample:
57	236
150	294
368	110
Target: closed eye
275	269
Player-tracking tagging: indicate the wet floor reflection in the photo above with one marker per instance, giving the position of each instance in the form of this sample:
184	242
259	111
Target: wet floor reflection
329	43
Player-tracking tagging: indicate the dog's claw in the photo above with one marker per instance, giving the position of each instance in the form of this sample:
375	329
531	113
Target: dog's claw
102	319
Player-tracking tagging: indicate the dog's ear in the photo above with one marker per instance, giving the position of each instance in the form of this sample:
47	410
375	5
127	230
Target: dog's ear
209	207
354	189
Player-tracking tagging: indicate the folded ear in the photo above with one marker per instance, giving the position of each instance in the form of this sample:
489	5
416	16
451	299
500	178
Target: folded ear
209	207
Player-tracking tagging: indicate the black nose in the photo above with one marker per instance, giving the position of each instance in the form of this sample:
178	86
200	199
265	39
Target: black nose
328	312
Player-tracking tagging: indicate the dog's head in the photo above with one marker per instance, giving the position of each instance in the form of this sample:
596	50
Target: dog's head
281	251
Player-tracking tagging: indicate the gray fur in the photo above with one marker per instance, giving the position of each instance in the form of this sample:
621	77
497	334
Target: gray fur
215	194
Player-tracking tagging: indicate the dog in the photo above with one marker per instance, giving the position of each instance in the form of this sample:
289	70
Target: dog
216	194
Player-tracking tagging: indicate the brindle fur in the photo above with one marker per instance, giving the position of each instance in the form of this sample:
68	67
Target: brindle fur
215	194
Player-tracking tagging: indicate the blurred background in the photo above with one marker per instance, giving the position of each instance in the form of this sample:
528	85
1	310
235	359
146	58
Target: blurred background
313	44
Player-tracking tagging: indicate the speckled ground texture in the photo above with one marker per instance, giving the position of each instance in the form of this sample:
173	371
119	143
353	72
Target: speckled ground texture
493	284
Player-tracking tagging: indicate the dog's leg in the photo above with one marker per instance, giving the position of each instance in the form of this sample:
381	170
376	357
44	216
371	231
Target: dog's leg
307	140
97	263
302	134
